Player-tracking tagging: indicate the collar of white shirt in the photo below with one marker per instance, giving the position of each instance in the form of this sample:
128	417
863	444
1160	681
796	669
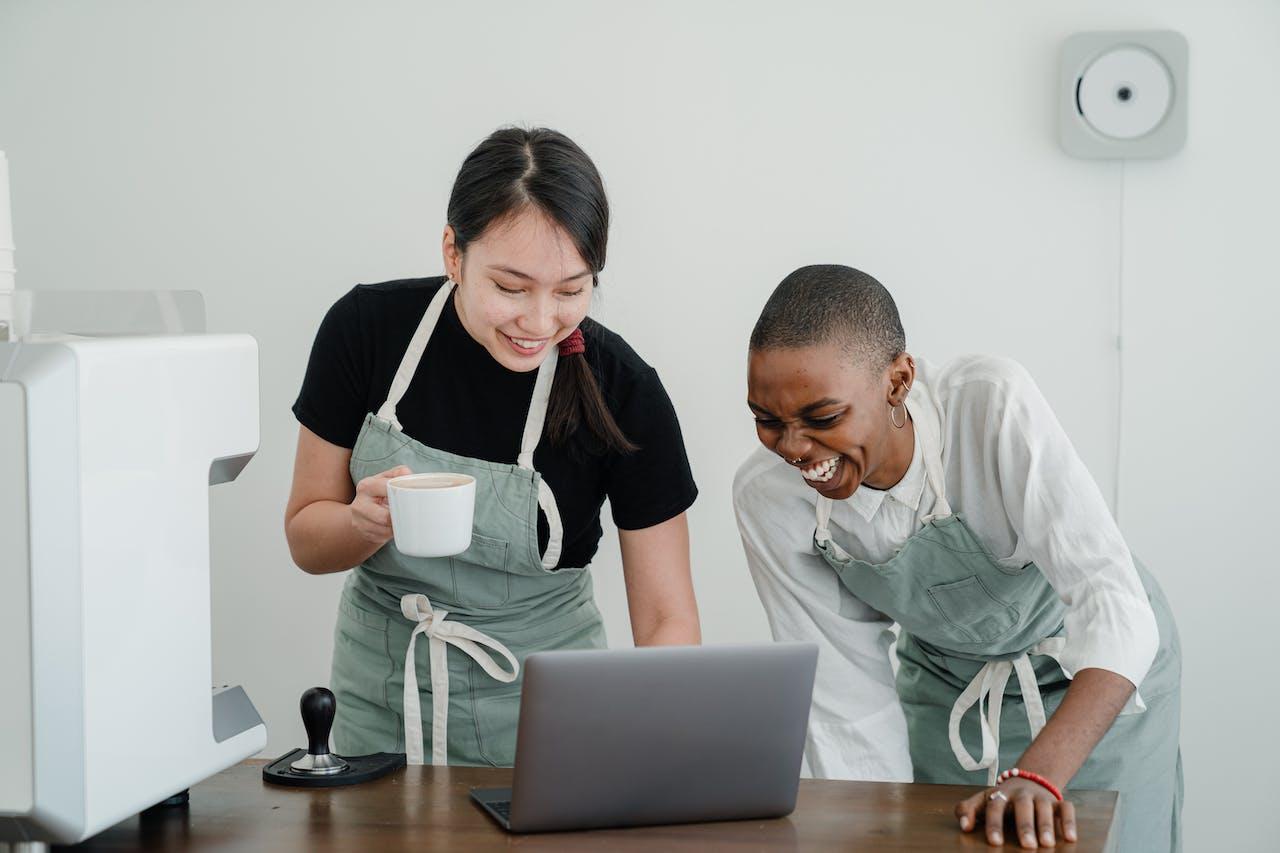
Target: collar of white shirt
866	501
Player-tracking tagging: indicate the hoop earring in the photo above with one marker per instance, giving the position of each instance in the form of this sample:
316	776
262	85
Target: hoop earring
893	421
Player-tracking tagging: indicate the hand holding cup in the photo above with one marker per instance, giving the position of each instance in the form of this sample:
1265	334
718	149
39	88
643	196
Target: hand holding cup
370	515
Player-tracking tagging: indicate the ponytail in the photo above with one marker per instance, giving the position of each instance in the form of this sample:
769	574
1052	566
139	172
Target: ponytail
576	400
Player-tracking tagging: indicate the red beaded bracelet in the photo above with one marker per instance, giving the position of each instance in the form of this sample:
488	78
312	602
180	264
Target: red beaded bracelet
1030	777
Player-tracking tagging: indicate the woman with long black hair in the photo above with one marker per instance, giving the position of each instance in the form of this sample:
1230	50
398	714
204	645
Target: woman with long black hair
495	371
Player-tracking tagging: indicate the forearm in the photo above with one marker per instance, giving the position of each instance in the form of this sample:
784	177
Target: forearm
660	599
1092	702
322	539
670	631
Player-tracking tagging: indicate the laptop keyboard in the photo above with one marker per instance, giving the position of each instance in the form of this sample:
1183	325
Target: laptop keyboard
503	808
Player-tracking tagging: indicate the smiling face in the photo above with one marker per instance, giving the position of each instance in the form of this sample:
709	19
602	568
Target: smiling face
829	416
522	287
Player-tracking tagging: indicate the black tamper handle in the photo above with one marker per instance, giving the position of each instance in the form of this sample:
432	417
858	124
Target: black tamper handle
318	706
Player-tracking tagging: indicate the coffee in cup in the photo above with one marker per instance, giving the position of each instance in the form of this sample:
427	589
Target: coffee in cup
432	514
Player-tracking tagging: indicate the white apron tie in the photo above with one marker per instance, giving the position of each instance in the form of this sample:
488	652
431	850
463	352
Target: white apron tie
416	608
988	687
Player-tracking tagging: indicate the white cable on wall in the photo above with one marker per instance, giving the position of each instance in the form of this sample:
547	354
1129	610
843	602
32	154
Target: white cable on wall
1115	495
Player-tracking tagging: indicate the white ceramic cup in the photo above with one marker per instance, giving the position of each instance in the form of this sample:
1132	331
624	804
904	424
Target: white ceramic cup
431	514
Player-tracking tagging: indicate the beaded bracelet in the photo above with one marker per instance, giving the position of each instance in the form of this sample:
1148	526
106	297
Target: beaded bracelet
1030	777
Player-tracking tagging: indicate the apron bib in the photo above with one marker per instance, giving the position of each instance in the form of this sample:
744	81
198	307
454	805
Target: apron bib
978	636
481	612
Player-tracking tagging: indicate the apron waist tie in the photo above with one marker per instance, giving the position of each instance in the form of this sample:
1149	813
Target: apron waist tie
988	686
440	634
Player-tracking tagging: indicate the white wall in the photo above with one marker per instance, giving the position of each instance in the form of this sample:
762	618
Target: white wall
272	155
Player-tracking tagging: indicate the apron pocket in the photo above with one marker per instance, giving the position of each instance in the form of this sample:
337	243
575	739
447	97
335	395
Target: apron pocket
970	612
362	670
480	576
496	710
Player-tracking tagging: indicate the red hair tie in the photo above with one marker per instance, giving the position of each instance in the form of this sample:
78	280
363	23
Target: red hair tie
573	344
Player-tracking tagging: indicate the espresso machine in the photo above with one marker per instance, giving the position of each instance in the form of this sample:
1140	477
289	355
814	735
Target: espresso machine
117	415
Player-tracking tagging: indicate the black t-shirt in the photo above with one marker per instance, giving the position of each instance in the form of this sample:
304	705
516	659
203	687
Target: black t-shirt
463	401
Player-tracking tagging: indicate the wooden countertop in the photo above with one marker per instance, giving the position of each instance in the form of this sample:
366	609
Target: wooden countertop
429	808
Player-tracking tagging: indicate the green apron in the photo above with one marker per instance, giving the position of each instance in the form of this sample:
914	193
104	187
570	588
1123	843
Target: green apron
499	596
969	626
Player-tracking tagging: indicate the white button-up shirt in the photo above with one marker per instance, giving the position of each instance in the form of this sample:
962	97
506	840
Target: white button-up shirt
1026	495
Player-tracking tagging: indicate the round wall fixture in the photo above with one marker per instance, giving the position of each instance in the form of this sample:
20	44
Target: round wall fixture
1123	94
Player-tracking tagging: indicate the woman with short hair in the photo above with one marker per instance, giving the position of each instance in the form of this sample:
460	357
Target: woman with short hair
1034	650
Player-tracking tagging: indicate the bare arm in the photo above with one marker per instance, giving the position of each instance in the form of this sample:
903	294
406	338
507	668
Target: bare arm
655	566
331	524
1093	701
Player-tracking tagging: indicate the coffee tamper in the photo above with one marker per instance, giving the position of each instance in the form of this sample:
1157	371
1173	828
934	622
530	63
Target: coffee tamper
317	707
317	767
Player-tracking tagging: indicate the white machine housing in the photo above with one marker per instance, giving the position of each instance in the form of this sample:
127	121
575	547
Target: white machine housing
107	703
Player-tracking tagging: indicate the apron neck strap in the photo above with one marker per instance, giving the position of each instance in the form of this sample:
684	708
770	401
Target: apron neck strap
413	355
823	534
537	418
928	432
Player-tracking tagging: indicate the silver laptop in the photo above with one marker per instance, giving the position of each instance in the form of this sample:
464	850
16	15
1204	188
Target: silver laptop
677	734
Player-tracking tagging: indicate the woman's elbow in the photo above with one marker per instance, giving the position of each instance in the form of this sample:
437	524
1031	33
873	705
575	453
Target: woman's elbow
294	537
